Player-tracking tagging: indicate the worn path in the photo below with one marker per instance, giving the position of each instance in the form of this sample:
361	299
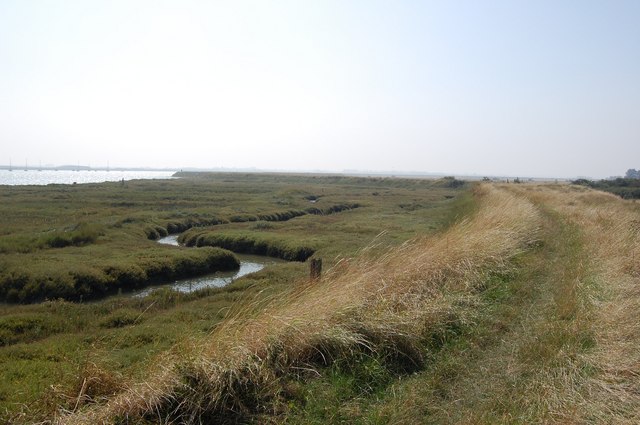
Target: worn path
556	341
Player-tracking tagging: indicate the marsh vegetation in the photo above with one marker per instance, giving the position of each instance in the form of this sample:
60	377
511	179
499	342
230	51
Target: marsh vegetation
64	245
440	303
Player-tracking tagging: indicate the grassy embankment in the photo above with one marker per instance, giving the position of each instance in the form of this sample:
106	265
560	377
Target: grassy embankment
62	355
385	317
524	313
554	341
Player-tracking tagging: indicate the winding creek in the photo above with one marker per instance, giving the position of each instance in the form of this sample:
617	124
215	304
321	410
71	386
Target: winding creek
248	264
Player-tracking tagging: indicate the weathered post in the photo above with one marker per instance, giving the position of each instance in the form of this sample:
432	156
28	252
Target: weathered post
316	268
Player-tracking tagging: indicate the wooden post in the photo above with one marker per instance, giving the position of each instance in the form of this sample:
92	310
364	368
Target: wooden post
316	268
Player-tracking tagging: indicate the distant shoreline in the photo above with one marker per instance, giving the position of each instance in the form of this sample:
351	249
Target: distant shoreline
351	173
82	168
46	176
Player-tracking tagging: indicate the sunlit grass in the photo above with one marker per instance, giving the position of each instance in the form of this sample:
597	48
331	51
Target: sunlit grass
53	349
385	308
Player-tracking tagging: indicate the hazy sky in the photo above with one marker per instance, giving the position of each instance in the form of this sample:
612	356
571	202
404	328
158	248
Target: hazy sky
535	88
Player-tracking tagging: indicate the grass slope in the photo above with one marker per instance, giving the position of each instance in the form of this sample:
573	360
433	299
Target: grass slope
389	310
553	341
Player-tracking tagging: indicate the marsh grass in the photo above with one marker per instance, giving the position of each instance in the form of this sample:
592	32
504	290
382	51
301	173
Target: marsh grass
60	344
288	248
391	309
103	276
92	240
50	348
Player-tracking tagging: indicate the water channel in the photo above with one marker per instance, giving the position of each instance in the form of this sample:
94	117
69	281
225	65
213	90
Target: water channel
248	264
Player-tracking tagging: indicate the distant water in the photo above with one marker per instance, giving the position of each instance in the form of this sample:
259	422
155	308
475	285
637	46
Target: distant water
248	264
44	177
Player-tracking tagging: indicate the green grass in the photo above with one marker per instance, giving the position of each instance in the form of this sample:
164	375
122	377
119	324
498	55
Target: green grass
254	242
374	388
103	243
92	240
91	273
510	364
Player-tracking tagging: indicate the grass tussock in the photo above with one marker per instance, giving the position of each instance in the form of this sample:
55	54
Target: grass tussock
393	308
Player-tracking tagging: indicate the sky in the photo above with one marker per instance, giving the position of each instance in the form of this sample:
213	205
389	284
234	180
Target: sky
520	88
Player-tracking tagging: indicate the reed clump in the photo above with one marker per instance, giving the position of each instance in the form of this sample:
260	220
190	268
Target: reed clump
395	308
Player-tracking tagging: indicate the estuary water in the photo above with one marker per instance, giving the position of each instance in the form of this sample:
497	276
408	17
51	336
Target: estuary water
248	264
44	177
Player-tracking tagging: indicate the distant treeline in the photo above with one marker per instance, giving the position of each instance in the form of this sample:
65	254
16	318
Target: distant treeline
627	188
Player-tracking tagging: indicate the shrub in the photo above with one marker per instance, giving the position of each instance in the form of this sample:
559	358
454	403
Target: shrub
281	216
450	182
89	282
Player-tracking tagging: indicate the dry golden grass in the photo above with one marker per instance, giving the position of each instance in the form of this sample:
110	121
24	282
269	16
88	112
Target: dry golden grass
610	229
385	305
519	363
568	351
